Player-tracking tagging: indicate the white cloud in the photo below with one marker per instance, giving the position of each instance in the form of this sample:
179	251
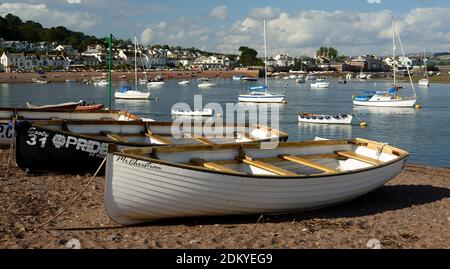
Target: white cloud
267	13
219	12
147	35
374	1
352	33
74	1
185	32
50	17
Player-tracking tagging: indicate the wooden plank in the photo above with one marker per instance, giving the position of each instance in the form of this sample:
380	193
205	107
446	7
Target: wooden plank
266	166
204	140
309	163
159	138
114	136
353	155
213	166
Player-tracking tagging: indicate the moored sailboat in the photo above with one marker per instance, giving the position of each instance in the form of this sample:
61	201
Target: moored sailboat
260	94
388	98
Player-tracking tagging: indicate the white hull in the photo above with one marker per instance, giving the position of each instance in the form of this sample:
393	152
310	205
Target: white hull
101	83
393	103
206	85
261	99
184	82
132	95
155	83
331	120
424	83
204	112
142	190
320	85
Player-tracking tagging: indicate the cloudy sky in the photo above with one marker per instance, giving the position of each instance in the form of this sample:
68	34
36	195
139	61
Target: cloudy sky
297	27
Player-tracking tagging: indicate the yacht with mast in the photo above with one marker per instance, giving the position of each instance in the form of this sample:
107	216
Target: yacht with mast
260	94
388	98
126	92
425	82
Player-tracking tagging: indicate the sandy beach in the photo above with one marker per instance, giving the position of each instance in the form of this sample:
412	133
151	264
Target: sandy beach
411	211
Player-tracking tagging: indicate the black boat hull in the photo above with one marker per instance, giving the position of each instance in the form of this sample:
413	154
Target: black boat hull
40	150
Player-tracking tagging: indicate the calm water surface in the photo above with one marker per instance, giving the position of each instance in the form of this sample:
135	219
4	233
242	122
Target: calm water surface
425	133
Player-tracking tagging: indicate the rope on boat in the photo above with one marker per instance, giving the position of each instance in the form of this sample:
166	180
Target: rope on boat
361	122
11	148
72	202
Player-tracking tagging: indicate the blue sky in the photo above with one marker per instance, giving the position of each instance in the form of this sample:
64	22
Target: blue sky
295	27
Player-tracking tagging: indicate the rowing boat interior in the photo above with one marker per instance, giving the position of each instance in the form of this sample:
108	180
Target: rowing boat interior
162	132
289	159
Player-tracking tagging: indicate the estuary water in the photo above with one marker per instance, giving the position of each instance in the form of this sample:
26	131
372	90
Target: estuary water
424	132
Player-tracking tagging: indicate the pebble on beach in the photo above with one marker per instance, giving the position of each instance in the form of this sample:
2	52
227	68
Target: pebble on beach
374	244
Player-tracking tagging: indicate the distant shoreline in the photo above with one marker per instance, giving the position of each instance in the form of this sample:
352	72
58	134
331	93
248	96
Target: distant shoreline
12	78
119	76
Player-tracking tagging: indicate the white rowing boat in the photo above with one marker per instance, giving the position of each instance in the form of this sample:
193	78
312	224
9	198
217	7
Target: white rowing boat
325	119
154	183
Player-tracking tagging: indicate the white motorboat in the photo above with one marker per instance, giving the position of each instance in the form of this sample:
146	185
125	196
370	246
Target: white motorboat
183	82
41	81
424	82
320	84
154	183
206	84
325	119
182	112
238	77
300	79
102	82
155	83
311	77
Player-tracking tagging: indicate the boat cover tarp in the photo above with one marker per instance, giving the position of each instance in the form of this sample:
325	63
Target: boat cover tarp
125	88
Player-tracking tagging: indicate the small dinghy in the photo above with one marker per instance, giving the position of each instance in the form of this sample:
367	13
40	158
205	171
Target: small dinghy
183	82
203	112
68	105
325	119
206	84
154	183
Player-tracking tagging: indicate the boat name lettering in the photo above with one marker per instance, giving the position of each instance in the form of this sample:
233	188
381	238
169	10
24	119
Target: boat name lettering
5	131
94	148
33	137
137	163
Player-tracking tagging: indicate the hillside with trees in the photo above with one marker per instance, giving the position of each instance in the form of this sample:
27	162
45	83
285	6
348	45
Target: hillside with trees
13	28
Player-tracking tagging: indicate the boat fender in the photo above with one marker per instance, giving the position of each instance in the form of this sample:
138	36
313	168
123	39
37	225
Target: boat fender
327	117
320	118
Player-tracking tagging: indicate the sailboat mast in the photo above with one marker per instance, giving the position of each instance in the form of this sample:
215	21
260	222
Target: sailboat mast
265	55
135	63
425	63
393	52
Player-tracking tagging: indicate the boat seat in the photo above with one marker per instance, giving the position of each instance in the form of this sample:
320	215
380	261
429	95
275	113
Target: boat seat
266	166
309	163
213	166
204	140
356	156
159	138
114	136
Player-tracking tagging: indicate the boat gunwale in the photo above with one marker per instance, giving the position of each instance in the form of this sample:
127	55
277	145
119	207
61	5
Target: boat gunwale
404	155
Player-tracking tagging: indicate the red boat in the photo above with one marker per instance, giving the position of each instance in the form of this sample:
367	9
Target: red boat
90	107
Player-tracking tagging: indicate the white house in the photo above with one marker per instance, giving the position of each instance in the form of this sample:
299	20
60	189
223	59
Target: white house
284	60
67	49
